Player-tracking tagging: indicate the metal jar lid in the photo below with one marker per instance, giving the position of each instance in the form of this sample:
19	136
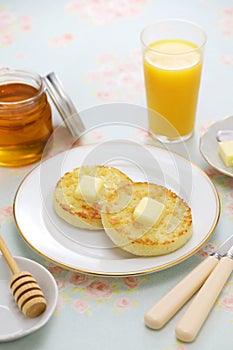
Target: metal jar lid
64	105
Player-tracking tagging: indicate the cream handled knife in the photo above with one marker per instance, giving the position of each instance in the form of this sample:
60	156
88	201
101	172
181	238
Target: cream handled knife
170	303
193	319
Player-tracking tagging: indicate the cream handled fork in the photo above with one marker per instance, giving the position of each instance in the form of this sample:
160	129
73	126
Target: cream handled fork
195	316
170	303
166	307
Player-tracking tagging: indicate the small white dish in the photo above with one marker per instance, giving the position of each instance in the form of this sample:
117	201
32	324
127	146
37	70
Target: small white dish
209	145
15	324
92	251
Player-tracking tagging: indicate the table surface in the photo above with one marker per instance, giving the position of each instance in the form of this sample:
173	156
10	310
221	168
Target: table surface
93	46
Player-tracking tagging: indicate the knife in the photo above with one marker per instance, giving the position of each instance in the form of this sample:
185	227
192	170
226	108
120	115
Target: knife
171	302
224	135
193	319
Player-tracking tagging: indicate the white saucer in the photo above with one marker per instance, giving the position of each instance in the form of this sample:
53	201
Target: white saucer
209	145
15	324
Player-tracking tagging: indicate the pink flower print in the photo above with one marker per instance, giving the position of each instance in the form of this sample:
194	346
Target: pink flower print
5	213
122	303
229	208
19	55
202	253
81	305
112	74
99	290
211	172
227	303
180	346
229	197
229	183
227	60
79	279
61	284
25	23
105	11
226	22
229	11
204	127
7	20
7	39
62	41
60	303
11	23
107	57
106	96
131	281
55	270
206	250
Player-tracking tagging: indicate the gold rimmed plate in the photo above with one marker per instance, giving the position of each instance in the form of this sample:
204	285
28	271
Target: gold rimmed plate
91	251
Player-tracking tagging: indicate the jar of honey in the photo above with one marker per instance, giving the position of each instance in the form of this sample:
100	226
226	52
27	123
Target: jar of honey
25	117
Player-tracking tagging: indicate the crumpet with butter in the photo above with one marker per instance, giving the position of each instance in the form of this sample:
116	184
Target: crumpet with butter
156	220
80	194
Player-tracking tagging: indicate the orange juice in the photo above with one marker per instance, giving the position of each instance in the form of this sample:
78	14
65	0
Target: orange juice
172	70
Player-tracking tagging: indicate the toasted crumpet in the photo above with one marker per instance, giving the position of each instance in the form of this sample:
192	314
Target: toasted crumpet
169	233
75	210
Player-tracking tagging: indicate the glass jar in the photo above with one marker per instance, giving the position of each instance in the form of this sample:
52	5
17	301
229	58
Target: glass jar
25	117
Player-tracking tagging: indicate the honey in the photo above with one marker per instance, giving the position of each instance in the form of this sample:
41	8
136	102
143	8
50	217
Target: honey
25	118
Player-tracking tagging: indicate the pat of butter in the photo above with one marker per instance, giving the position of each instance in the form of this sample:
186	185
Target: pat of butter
89	188
225	150
148	211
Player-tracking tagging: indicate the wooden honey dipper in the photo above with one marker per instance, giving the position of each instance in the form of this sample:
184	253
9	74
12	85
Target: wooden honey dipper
25	289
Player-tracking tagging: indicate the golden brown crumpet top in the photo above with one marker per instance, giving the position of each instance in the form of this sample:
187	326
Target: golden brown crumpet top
170	232
74	209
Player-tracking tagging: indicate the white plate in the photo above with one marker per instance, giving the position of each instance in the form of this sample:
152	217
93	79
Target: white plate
92	251
209	145
15	324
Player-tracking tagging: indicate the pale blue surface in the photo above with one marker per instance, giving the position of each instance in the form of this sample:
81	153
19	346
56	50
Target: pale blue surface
106	327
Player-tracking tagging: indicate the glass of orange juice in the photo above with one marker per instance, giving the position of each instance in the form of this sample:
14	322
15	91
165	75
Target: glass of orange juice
172	59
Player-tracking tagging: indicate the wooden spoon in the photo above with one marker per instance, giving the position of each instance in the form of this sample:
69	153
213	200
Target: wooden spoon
25	289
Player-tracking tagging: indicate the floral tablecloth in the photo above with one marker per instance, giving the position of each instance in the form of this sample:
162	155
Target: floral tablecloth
94	48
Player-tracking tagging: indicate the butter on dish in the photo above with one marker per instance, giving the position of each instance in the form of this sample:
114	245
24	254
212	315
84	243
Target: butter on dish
225	150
